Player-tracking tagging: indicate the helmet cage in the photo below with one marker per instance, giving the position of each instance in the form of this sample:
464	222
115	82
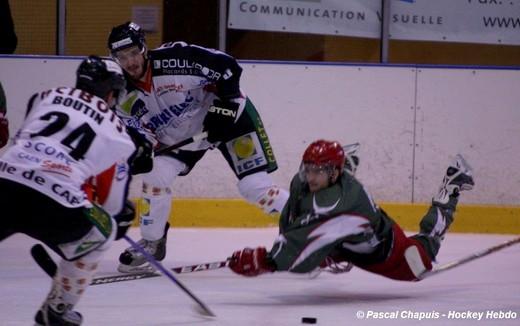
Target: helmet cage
309	167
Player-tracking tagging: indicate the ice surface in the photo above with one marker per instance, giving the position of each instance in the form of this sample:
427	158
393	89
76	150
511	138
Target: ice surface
490	284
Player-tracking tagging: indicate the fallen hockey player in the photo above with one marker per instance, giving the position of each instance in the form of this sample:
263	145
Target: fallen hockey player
330	218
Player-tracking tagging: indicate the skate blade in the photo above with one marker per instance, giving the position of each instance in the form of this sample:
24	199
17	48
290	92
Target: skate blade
127	269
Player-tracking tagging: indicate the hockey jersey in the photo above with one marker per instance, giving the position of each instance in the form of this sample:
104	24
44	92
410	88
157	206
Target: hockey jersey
182	82
69	138
341	219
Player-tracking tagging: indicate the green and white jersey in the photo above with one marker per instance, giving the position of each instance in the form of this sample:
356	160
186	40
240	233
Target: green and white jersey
341	219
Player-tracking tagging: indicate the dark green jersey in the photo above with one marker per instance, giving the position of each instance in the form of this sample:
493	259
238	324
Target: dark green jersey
341	219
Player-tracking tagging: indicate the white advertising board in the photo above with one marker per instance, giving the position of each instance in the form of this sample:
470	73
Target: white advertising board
471	21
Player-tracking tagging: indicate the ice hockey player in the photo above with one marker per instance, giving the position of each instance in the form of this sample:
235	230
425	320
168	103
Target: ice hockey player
178	91
68	170
331	218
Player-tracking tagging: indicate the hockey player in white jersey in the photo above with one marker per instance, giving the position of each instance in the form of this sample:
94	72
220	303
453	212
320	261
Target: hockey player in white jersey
68	168
178	91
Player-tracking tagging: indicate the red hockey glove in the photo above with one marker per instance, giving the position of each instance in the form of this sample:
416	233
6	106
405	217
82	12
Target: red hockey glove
4	130
251	262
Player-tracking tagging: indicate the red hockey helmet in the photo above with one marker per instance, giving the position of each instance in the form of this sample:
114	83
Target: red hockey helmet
324	153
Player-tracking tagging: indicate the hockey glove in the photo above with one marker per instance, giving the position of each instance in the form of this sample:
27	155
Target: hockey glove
124	219
4	130
251	262
220	118
142	160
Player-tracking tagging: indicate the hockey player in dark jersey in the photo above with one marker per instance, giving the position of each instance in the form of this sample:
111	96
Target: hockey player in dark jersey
64	181
331	218
178	91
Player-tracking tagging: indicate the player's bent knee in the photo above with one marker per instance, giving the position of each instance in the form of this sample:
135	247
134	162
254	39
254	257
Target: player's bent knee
417	261
273	199
165	170
259	189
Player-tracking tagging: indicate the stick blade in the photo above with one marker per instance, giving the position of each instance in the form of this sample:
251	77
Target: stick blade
42	258
204	311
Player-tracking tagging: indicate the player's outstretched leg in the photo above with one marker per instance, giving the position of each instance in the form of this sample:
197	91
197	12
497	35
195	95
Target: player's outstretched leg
458	177
132	261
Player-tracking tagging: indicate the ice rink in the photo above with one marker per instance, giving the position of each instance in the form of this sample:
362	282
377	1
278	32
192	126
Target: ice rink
488	288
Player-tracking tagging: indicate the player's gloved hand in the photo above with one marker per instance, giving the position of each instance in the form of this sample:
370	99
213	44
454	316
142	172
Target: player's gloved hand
4	130
124	219
142	160
251	262
220	118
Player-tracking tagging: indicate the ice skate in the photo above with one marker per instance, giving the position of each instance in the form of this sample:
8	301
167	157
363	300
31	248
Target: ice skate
351	159
459	177
333	264
63	316
132	261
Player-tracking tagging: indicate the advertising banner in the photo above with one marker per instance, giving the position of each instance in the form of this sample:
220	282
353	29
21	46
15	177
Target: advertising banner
470	21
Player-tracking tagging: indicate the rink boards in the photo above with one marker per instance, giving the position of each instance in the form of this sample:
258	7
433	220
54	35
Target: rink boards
410	120
237	213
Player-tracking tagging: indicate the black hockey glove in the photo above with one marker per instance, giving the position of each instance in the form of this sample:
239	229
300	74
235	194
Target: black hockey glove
124	219
220	118
142	160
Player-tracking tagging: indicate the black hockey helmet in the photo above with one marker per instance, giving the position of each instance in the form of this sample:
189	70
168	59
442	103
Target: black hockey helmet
100	76
125	36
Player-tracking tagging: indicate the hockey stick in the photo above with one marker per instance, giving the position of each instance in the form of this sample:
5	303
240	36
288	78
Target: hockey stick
142	275
47	264
201	267
182	143
202	308
123	277
44	260
469	258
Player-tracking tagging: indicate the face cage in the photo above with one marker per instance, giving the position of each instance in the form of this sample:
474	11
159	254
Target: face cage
325	168
114	56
